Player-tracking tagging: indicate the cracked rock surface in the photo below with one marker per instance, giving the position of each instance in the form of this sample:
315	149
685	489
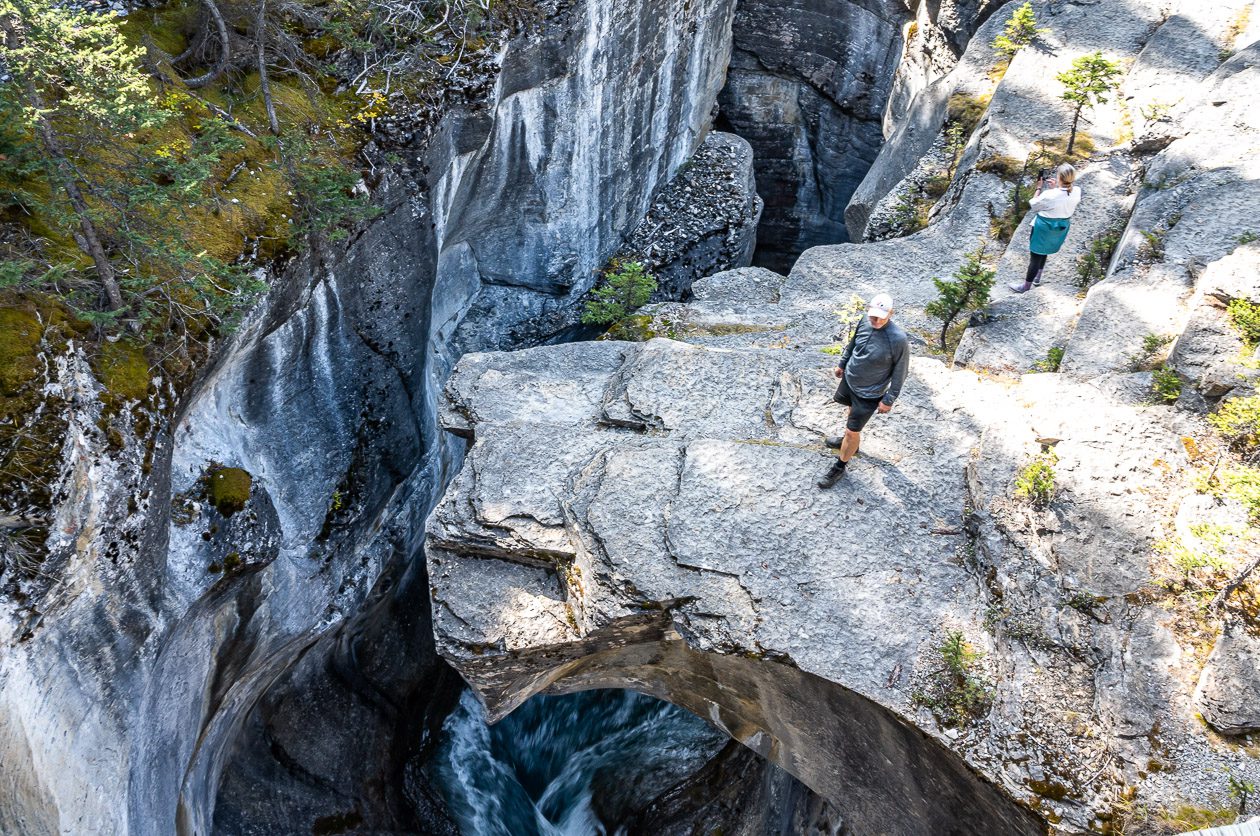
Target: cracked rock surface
630	514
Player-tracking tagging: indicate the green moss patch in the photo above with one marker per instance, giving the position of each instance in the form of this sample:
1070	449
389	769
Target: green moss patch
636	328
967	110
123	370
227	489
20	332
1003	165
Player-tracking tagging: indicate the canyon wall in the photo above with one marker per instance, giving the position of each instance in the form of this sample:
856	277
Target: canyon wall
282	650
816	85
807	87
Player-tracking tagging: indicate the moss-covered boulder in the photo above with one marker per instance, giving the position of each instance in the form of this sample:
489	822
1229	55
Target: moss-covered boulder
227	489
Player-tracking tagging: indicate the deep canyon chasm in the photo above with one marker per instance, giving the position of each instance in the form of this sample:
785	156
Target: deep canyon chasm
577	489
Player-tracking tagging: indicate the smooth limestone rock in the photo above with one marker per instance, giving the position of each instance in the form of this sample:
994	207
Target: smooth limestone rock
803	306
1020	329
743	795
1209	353
935	40
588	122
815	86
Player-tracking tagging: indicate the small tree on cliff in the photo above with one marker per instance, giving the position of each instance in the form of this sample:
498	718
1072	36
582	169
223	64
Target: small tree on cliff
626	287
1087	84
968	291
1021	29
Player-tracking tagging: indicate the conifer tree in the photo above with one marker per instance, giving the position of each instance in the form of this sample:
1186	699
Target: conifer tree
91	147
1021	29
968	291
68	65
627	287
1087	84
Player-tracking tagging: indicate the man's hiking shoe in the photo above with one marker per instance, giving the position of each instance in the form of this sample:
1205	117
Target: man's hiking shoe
833	475
834	441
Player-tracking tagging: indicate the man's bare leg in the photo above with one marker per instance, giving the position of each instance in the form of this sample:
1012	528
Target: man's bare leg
849	448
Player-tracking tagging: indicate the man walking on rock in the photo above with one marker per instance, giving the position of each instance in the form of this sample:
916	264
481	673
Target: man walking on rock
871	371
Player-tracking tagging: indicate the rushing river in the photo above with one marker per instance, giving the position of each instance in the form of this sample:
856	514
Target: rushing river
566	766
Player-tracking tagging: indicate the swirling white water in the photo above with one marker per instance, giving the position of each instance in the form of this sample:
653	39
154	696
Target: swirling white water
573	765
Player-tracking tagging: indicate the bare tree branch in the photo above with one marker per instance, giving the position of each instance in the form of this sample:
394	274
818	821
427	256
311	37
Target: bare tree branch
1237	581
225	51
260	37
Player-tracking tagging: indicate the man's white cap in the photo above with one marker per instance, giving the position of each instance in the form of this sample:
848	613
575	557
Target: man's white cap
881	306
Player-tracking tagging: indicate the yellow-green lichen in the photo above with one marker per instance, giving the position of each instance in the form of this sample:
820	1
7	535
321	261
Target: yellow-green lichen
967	110
636	328
228	488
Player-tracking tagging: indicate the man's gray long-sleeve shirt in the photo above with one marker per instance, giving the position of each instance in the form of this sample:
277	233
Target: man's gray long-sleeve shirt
876	361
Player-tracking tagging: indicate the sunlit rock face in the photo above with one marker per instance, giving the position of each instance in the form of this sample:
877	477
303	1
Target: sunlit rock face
645	515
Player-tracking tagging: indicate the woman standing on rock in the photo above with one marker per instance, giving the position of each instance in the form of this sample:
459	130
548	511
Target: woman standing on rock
1055	201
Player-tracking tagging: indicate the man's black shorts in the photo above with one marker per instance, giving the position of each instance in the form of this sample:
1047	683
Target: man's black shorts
860	409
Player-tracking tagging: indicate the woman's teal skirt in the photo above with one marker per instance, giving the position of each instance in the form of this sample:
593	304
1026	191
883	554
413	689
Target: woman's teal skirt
1048	235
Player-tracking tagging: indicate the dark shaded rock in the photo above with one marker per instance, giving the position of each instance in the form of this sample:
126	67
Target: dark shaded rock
807	87
705	220
739	794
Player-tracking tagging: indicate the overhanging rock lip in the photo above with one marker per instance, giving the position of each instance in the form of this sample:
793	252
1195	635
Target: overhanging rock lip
756	701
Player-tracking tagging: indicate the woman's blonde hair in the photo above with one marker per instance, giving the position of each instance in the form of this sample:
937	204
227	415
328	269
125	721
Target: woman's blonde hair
1067	176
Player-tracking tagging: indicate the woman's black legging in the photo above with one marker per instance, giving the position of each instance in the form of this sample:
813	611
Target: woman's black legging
1036	261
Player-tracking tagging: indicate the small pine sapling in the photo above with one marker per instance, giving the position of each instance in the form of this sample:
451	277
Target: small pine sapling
1020	30
955	141
1035	482
967	291
1089	82
627	287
